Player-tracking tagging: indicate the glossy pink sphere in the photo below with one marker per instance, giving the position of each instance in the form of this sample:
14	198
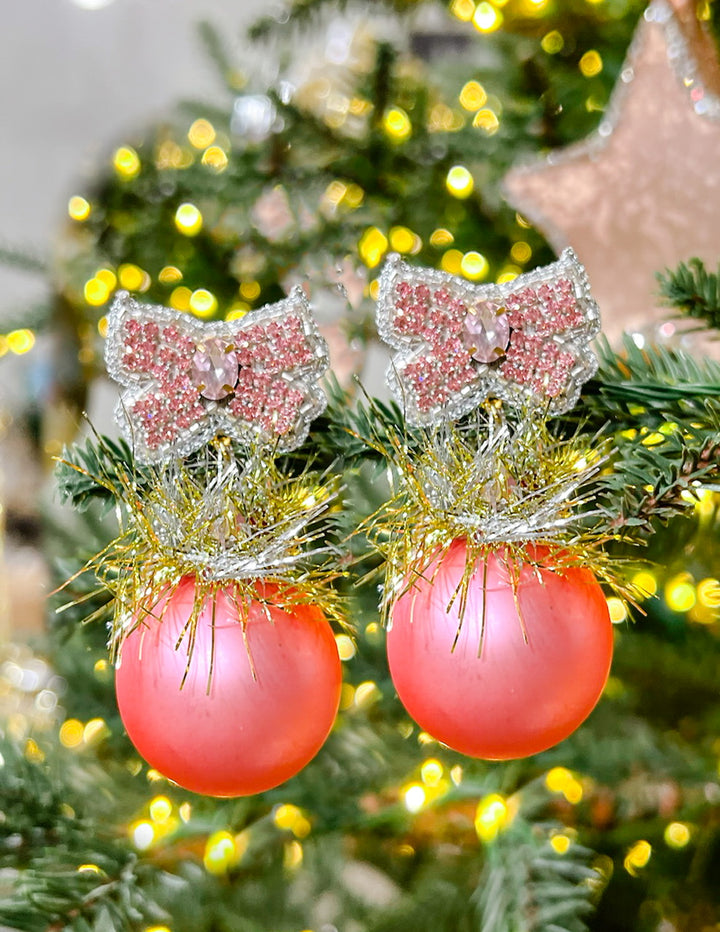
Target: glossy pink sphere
243	735
516	698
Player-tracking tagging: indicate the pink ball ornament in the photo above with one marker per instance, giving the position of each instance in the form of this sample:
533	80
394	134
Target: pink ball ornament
516	698
244	735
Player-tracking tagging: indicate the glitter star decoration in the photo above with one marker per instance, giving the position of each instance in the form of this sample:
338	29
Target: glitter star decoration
254	379
524	342
642	193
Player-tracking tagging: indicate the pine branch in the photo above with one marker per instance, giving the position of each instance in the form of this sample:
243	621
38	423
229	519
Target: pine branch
303	13
23	260
694	291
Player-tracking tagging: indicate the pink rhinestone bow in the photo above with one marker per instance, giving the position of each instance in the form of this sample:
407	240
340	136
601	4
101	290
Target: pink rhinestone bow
526	341
253	378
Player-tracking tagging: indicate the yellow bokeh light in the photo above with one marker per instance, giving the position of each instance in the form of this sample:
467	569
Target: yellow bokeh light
71	733
188	219
486	18
154	776
552	42
201	134
431	772
250	290
354	196
414	797
508	274
646	582
157	929
185	811
560	843
677	834
591	64
520	252
347	696
372	246
373	289
424	738
33	751
680	593
463	9
96	292
169	275
92	869
708	592
490	817
366	694
101	667
617	609
396	124
107	277
216	158
95	731
126	162
557	778
203	302
404	240
180	298
441	237
452	261
220	852
78	208
20	341
160	809
474	266
473	96
637	857
293	855
238	309
286	815
487	120
133	278
142	834
459	182
345	646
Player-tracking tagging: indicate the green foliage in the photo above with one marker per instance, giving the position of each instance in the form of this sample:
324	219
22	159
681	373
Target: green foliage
694	291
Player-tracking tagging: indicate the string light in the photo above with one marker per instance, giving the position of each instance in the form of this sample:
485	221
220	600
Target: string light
552	42
20	341
463	10
366	694
216	158
160	809
452	261
372	246
201	134
220	852
126	163
180	298
414	797
396	124
459	182
474	266
521	252
404	240
250	290
617	609
431	772
677	834
487	18
203	302
487	120
78	208
561	780
169	275
345	646
491	817
637	857
680	593
441	237
188	219
591	64
473	96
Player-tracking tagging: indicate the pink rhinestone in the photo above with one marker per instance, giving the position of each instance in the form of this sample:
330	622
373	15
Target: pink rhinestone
214	369
486	332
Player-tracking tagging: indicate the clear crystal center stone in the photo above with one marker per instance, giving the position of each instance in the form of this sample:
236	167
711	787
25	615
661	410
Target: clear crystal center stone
214	369
486	332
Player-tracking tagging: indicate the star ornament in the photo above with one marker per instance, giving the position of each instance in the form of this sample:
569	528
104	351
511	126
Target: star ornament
254	379
642	193
524	342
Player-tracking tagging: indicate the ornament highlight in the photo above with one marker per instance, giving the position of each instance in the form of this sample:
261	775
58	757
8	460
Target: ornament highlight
514	668
238	701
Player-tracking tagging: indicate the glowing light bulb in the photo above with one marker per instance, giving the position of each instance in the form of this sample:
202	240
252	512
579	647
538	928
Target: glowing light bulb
590	64
203	302
216	158
637	857
188	219
677	834
474	266
78	208
201	134
473	96
126	162
491	816
486	18
396	124
459	182
372	246
345	646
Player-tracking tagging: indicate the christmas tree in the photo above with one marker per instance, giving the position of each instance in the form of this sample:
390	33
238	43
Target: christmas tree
388	130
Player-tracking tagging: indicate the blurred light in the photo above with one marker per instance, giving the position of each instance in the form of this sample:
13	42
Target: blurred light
293	855
452	261
520	252
591	64
143	835
617	609
560	843
677	834
133	278
71	733
216	158
397	124
708	592
474	266
373	289
126	162
92	868
185	811
220	852
441	237
552	42
463	9
372	246
250	290
188	219
472	96
354	196
414	797
154	776
444	119
404	240
534	7
366	694
157	929
345	646
490	817
107	277
508	274
561	780
78	208
203	302
96	292
237	310
286	815
33	752
160	809
425	738
201	134
170	155
92	4
347	696
680	593
431	772
20	341
459	182
169	275
646	582
456	774
486	18
487	120
637	857
95	731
